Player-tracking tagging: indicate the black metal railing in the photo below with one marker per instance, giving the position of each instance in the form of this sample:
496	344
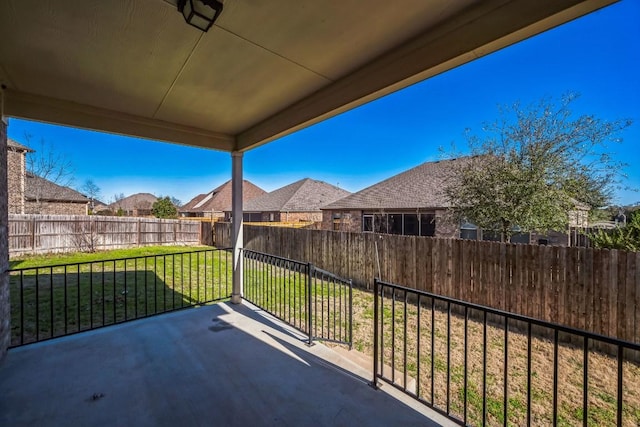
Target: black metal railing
58	300
481	366
316	302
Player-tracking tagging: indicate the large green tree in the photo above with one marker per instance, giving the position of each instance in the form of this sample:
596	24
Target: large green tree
530	167
164	208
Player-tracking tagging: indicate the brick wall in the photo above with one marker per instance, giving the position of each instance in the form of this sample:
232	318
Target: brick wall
300	216
349	221
5	308
445	226
56	208
15	179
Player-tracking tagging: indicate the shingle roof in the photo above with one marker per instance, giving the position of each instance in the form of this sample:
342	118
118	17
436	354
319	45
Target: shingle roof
417	188
15	146
135	201
306	195
219	199
191	204
37	188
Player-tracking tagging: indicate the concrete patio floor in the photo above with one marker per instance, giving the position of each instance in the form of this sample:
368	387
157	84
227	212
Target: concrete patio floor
219	365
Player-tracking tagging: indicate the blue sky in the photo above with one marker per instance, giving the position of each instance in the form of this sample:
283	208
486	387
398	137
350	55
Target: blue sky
597	56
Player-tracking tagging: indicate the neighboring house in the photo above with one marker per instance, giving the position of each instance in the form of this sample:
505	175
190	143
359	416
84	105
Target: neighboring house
98	207
31	194
410	203
213	204
299	201
44	197
413	203
579	215
139	204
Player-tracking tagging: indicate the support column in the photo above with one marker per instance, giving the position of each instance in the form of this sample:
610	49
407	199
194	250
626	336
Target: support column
5	308
236	223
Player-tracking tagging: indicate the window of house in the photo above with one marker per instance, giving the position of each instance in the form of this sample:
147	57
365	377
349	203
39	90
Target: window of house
427	225
395	223
411	226
367	223
272	217
468	231
380	223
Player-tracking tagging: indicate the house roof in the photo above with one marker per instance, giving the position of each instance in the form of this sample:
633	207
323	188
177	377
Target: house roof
37	188
218	199
417	188
306	195
15	146
135	201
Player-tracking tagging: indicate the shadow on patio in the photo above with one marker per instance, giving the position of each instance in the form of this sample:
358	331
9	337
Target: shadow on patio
212	365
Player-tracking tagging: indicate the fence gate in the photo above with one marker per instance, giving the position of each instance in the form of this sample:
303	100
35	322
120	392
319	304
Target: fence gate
316	302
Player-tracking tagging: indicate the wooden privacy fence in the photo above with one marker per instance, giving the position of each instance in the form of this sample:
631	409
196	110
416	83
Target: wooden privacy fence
585	288
36	234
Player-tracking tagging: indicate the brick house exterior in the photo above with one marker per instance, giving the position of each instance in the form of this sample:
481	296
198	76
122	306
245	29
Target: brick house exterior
214	203
5	302
16	172
410	203
413	203
297	202
137	205
31	194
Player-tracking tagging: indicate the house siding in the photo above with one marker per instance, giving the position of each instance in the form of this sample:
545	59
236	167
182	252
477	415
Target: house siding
56	208
300	216
445	226
15	180
350	220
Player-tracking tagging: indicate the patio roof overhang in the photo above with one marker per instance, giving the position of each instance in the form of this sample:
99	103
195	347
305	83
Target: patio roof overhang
264	70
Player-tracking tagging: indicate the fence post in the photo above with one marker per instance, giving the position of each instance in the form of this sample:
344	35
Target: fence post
376	291
309	301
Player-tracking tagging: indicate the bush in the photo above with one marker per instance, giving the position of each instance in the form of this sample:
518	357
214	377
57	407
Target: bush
626	238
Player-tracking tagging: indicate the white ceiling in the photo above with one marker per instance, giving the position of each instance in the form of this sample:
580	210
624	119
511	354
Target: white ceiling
265	69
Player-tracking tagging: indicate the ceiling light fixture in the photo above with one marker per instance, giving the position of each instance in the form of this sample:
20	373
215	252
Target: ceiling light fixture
200	13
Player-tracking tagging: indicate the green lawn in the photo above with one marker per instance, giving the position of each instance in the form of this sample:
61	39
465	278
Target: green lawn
56	259
58	295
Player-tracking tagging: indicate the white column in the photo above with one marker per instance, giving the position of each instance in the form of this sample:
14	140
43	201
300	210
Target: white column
236	211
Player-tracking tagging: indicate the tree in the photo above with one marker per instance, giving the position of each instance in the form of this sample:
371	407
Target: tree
115	204
164	208
49	165
533	165
92	191
176	202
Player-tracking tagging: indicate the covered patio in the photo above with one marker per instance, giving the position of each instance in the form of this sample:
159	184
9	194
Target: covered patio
264	70
222	364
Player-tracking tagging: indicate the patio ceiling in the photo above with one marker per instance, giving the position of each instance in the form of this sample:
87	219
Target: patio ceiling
265	69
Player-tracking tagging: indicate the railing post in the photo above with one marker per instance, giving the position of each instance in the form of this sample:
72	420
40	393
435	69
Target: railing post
350	314
376	290
309	303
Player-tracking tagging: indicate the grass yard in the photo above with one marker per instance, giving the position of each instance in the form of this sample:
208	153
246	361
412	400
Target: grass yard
77	257
70	293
